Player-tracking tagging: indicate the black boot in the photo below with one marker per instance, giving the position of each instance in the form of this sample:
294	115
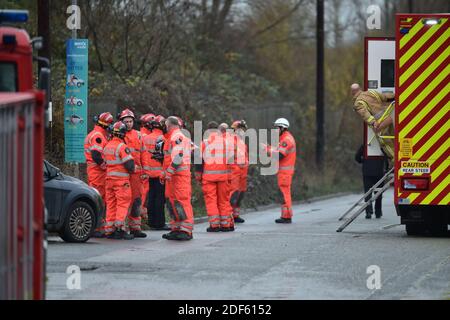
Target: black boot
183	236
227	229
122	234
114	235
211	229
98	234
369	213
171	235
378	215
138	234
239	220
284	220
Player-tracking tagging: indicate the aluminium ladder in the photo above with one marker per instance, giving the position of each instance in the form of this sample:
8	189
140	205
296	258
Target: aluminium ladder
377	191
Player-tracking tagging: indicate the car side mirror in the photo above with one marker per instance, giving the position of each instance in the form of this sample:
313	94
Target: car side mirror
52	173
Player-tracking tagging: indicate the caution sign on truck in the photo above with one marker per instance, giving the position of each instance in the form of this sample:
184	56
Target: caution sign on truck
422	121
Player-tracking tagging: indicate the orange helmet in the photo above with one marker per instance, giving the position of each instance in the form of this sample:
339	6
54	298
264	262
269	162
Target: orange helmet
104	119
239	124
119	129
126	113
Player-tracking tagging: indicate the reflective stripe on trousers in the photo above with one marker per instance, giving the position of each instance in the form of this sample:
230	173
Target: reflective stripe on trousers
117	174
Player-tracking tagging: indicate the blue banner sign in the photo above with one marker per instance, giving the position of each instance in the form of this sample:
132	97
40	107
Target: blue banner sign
76	100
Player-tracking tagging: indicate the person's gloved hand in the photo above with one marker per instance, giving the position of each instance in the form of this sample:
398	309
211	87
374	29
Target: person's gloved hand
144	176
103	166
162	177
198	176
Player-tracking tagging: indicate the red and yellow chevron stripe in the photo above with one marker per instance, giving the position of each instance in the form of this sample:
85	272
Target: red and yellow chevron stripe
423	106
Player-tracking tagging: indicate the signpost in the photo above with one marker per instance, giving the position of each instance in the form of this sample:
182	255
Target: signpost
76	101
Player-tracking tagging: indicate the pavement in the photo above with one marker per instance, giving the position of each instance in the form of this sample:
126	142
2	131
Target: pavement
308	259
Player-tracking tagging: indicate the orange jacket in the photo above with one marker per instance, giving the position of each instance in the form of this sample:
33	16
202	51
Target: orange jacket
95	140
144	131
241	157
215	150
116	153
133	139
152	167
177	154
287	148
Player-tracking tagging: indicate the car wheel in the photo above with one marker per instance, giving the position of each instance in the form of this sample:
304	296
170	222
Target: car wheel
79	224
79	103
79	84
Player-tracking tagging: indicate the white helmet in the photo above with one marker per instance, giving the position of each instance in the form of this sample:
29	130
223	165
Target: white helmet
281	122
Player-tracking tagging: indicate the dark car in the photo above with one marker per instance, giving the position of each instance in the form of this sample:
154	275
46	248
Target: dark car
75	209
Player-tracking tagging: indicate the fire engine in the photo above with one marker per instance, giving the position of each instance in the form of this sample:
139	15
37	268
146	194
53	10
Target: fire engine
415	65
22	110
422	122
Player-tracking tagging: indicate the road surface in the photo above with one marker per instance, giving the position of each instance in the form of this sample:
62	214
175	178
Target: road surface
262	260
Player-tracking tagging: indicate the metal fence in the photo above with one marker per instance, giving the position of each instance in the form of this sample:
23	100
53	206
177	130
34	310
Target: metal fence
21	196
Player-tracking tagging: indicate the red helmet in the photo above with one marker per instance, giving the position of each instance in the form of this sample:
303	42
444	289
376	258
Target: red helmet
239	124
160	119
105	119
180	121
119	129
148	117
126	113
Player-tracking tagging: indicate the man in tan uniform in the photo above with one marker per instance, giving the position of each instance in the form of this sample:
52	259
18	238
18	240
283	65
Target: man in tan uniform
371	105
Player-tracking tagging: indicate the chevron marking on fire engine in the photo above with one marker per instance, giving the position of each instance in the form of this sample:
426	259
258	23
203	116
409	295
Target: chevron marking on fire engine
424	109
417	27
418	44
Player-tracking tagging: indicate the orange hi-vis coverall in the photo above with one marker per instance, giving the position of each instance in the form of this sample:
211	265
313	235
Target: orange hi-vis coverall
152	167
214	174
94	143
239	174
145	184
133	139
96	140
287	156
176	170
118	192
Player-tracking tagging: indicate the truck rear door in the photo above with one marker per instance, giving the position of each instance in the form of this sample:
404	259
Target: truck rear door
422	110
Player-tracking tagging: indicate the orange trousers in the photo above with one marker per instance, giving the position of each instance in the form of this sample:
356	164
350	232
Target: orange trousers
96	179
284	184
134	214
118	198
217	202
178	200
238	186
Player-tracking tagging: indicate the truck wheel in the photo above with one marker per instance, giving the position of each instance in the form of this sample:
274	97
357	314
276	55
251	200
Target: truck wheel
438	229
414	229
79	224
